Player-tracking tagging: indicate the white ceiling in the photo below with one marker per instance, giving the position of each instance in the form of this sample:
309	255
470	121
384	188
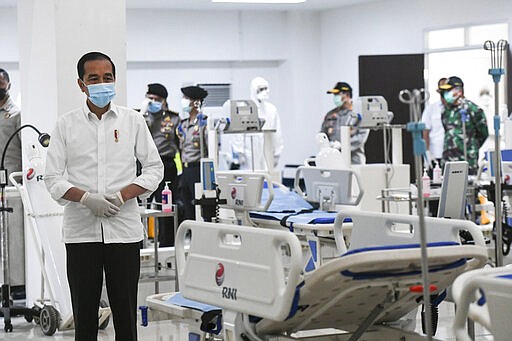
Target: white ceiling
309	5
208	5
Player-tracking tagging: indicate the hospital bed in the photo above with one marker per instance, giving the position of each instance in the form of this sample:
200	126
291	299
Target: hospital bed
267	295
328	189
484	296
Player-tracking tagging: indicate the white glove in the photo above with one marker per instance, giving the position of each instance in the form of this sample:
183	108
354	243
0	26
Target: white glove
98	205
144	106
115	198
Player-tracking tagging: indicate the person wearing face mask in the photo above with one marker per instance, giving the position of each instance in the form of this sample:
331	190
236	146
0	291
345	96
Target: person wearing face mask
339	116
10	120
249	148
434	131
192	133
162	124
461	114
91	170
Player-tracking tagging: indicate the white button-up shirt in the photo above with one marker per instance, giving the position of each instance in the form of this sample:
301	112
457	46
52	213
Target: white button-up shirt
432	119
99	156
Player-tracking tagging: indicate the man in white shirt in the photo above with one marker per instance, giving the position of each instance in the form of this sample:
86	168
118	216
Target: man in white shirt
434	130
91	170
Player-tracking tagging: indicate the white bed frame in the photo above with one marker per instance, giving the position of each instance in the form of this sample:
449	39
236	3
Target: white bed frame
357	293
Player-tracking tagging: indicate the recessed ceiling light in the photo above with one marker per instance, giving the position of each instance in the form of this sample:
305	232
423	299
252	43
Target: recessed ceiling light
262	1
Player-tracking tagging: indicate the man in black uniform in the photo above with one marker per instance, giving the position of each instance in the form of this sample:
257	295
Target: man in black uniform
193	144
163	123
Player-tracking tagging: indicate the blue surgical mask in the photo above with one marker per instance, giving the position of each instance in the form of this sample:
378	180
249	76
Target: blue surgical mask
338	102
101	94
448	97
185	105
154	107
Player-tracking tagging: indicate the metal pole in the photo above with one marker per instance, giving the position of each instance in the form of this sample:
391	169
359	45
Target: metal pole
497	177
4	235
464	140
496	71
415	99
423	243
5	239
386	158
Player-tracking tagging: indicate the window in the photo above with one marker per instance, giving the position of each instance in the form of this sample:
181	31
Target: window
477	35
439	39
469	36
458	51
217	94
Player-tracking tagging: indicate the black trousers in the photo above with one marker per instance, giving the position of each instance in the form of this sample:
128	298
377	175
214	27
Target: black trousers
189	177
166	224
85	265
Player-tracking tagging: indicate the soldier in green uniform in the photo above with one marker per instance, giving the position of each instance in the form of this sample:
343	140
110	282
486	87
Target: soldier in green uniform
193	145
162	124
461	114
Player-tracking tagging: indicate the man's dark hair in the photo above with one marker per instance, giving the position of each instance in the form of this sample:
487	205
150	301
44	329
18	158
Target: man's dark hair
92	56
5	75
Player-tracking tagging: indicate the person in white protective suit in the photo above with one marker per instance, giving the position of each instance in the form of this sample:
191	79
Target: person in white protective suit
242	143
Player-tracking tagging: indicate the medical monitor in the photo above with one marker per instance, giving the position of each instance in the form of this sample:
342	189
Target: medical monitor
244	116
452	203
330	187
371	111
207	174
242	190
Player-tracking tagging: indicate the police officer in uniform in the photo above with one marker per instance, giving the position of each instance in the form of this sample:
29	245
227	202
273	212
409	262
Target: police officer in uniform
339	116
193	144
10	120
162	124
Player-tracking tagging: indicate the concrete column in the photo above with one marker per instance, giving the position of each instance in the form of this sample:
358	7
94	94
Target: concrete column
53	35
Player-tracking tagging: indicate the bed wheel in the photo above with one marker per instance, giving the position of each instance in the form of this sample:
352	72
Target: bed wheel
49	320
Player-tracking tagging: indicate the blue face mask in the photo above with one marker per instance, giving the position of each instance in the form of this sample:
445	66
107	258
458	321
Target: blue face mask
185	105
338	102
101	94
448	97
154	107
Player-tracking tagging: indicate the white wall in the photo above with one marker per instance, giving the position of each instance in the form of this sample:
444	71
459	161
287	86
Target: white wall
393	27
183	47
302	54
9	55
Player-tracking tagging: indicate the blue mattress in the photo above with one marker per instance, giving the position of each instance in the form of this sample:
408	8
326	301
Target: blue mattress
313	217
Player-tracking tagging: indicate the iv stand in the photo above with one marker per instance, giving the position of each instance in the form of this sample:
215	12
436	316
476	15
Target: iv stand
496	71
414	98
7	310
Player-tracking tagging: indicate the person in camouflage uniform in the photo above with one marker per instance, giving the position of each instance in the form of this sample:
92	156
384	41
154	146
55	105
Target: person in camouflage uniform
458	110
340	116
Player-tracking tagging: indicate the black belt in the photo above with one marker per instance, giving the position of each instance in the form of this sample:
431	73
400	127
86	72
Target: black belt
167	158
191	164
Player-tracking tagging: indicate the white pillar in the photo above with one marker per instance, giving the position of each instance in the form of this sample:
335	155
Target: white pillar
53	35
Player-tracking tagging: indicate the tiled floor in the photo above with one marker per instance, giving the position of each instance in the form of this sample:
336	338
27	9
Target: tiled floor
165	331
